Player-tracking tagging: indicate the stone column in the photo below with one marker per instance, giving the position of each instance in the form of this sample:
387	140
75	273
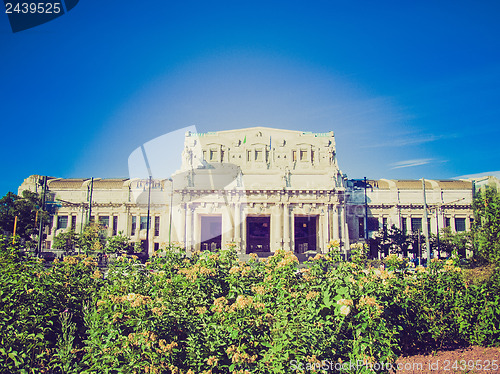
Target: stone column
325	237
189	227
286	227
196	233
275	239
335	222
237	225
227	226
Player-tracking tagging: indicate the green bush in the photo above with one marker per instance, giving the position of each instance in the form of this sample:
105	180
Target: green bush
211	313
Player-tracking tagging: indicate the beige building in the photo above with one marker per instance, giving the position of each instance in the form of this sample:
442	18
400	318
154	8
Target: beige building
260	189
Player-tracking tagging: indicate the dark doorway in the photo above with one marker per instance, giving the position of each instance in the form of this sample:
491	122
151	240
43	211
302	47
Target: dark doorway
305	234
211	233
258	234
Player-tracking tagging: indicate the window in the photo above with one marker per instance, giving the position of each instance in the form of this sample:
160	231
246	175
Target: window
134	225
258	155
361	227
294	156
73	222
303	155
373	224
104	221
156	247
62	222
144	222
429	225
459	224
447	222
213	155
404	225
50	223
312	156
157	226
416	224
249	156
384	223
115	225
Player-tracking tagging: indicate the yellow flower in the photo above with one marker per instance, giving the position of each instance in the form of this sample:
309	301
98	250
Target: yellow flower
345	310
312	295
97	274
212	361
346	302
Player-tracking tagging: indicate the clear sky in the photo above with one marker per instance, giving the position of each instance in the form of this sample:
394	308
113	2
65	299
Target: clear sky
410	88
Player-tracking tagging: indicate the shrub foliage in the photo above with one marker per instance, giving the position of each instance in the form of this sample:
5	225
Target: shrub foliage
211	313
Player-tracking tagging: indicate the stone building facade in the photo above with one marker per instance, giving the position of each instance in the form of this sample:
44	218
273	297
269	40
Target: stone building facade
259	189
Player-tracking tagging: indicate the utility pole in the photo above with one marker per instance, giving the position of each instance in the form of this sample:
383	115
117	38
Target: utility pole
147	223
43	183
426	226
366	215
90	201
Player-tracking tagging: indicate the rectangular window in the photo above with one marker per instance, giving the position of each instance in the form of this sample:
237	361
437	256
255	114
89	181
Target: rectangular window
404	225
384	223
50	223
134	225
249	156
144	222
447	222
62	222
157	226
373	224
361	227
156	247
294	156
73	222
213	155
312	156
258	155
459	224
303	155
416	224
115	225
104	221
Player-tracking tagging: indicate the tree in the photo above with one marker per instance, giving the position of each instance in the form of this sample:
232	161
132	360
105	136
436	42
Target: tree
392	241
486	227
92	238
118	243
25	207
65	241
458	242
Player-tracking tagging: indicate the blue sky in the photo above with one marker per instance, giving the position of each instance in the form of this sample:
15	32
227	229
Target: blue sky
411	89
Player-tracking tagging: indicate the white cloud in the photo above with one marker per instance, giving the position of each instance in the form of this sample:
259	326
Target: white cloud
411	140
495	174
410	163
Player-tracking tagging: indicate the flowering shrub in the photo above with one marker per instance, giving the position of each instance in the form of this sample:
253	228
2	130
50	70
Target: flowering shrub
32	301
211	313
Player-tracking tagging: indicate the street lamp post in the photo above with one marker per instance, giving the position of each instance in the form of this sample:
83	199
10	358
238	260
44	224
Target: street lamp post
40	227
147	222
170	218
